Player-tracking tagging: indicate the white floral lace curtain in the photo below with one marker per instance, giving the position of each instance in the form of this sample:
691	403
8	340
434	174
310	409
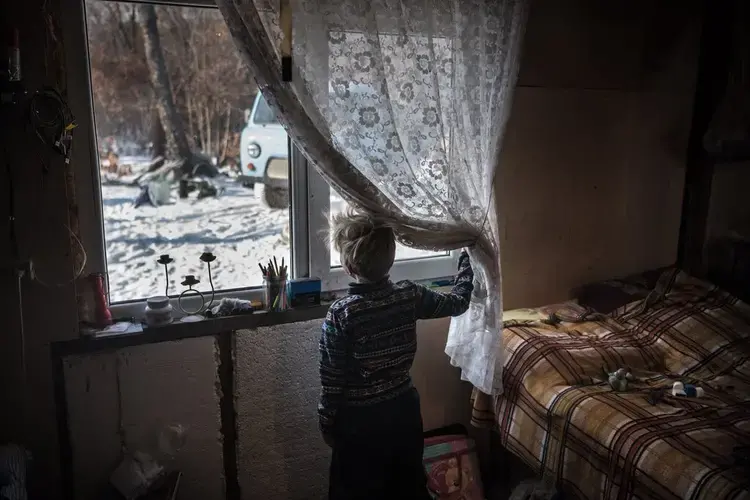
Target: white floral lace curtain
401	105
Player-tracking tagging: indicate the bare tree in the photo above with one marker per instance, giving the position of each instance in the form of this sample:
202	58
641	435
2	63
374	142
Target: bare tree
209	83
177	143
120	80
212	77
158	136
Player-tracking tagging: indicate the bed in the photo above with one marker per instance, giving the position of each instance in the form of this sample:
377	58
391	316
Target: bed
559	414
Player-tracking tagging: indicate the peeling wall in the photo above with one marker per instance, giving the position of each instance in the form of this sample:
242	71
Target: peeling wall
162	384
280	452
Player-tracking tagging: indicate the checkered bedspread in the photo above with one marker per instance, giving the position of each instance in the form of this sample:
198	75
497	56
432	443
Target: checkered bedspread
562	418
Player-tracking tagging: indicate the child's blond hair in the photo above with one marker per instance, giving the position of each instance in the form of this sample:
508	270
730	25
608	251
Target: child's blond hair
367	246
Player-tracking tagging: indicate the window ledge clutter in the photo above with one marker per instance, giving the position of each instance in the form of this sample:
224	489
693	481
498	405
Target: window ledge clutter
279	295
158	311
131	333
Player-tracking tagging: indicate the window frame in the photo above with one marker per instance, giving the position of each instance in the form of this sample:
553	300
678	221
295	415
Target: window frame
335	278
309	193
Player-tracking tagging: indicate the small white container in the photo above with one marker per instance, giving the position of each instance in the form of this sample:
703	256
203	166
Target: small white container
158	311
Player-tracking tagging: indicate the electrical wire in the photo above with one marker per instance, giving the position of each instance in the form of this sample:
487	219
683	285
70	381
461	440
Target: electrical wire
15	253
52	120
62	122
22	350
78	273
11	208
21	328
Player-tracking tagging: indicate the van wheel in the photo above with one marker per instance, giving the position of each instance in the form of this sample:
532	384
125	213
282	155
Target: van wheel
275	198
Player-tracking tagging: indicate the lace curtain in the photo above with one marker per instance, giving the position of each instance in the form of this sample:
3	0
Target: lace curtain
401	106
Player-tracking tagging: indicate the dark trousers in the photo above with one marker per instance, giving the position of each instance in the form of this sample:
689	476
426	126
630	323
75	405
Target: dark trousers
377	452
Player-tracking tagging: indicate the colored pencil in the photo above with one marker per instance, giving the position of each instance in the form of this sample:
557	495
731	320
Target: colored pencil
273	270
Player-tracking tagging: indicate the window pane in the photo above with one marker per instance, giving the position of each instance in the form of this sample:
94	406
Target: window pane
234	205
403	253
264	115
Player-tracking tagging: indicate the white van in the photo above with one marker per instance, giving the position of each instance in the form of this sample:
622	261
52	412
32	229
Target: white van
264	147
264	156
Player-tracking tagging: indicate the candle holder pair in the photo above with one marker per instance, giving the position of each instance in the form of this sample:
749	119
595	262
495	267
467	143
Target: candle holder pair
190	281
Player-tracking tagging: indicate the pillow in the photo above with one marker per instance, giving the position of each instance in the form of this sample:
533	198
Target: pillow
606	296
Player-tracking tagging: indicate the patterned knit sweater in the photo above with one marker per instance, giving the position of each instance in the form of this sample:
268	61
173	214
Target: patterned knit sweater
369	339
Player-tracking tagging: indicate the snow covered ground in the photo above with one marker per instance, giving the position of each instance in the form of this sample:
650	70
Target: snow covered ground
235	226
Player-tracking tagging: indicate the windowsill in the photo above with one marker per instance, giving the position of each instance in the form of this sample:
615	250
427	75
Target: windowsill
133	310
138	335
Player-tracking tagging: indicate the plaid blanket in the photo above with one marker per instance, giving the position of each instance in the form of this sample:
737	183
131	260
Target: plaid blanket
561	417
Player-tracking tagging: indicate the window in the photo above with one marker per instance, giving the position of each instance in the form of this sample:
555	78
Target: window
227	209
410	263
403	253
248	197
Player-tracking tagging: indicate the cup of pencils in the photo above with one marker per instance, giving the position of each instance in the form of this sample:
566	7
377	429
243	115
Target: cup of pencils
274	285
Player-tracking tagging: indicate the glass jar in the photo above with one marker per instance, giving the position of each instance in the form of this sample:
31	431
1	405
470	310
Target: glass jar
274	294
158	311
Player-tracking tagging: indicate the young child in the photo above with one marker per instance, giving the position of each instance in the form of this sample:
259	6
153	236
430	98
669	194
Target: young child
369	410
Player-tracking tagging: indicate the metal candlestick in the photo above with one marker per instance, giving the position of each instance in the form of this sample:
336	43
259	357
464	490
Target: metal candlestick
189	282
208	257
165	260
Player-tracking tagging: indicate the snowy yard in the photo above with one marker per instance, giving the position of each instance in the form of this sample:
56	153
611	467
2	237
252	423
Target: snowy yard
235	226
